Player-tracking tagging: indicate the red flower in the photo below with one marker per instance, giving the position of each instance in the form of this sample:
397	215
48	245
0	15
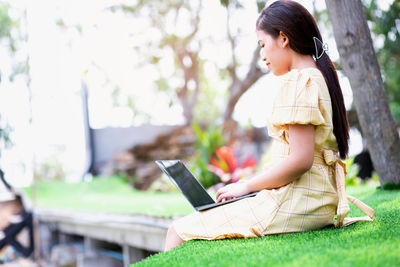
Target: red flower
249	162
226	167
225	154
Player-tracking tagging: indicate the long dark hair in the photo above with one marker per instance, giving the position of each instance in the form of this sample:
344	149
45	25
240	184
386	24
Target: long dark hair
300	27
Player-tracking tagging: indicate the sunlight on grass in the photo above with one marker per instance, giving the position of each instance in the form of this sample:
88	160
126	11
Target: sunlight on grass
110	195
362	244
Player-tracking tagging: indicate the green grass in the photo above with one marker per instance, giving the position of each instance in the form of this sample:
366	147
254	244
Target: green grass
362	244
109	195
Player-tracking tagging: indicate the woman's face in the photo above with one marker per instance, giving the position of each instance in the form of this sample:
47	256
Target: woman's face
274	52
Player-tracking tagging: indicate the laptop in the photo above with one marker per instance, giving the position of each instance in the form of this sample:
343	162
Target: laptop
190	187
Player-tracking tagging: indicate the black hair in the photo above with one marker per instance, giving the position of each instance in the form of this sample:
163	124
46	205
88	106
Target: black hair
300	27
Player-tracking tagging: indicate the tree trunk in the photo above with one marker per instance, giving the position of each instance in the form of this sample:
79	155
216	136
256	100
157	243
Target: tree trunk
361	66
239	87
191	73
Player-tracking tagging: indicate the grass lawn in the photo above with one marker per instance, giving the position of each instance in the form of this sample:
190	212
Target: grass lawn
362	244
109	195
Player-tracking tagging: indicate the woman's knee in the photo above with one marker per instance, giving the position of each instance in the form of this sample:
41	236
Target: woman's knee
172	234
171	230
172	239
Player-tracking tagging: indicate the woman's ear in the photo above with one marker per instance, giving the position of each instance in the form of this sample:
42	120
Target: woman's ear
284	40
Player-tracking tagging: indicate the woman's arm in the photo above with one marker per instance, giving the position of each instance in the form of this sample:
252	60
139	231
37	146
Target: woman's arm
300	160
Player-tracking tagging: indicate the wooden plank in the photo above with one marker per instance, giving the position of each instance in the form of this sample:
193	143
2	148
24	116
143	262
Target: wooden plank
138	231
132	255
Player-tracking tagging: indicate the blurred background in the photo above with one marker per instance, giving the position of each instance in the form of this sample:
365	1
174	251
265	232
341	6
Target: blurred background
137	63
94	91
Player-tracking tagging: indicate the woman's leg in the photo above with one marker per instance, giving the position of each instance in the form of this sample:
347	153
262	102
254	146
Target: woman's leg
172	239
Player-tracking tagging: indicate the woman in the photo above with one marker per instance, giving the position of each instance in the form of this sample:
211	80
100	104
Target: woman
302	187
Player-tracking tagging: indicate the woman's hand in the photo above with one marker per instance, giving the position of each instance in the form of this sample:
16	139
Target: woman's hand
232	190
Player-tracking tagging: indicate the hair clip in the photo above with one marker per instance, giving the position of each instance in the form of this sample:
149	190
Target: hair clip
324	48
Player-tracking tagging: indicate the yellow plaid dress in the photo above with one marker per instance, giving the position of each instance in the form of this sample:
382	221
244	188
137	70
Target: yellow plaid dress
311	201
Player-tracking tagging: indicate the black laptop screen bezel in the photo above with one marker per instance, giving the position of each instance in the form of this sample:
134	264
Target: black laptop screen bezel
184	180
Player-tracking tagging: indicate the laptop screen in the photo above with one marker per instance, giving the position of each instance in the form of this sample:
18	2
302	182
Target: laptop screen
186	182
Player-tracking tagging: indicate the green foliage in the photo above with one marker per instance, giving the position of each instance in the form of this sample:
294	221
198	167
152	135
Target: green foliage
208	141
375	177
5	140
162	84
261	4
226	3
352	172
384	26
14	35
6	24
5	131
389	186
395	109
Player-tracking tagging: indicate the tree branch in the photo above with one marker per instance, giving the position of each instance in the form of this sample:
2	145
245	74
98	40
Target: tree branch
232	41
240	87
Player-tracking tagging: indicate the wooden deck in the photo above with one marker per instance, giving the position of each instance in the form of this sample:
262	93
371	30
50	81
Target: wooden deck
133	232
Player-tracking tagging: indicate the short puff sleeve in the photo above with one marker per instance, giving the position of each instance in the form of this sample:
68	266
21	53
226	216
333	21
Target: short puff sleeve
297	101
